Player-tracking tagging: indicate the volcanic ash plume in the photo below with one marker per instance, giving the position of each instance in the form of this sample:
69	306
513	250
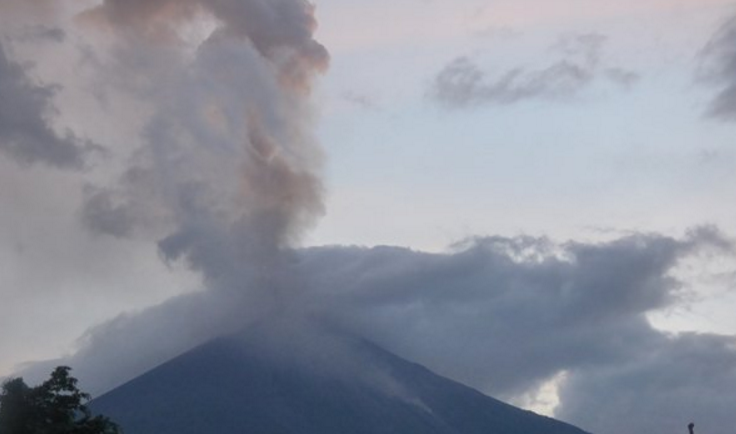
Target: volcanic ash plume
226	175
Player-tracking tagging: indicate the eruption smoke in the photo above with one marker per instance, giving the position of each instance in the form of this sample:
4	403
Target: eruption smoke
220	171
227	174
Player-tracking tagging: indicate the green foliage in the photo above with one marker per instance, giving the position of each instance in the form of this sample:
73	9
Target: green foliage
54	407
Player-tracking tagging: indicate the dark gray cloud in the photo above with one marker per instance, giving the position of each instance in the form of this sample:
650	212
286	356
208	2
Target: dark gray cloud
545	311
462	83
720	69
673	381
26	114
501	314
102	216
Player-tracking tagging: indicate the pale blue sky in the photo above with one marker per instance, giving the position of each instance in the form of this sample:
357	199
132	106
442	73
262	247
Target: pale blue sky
606	157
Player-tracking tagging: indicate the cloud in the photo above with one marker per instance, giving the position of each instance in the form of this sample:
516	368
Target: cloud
281	31
678	379
501	314
623	77
41	33
17	11
463	84
525	307
212	162
205	107
719	68
228	172
26	112
360	100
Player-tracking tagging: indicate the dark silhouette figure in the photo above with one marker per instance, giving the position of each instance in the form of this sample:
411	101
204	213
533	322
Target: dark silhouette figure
691	428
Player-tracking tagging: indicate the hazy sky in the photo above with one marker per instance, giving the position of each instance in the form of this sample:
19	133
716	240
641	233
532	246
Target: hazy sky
608	126
555	179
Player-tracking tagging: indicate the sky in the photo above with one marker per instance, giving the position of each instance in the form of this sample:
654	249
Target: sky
535	198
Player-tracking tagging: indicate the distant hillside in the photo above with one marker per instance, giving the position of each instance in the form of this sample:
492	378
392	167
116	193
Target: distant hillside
246	383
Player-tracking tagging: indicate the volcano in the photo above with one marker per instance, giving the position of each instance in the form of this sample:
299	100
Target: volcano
300	382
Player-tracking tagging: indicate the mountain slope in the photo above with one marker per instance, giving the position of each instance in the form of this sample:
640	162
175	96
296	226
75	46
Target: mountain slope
307	384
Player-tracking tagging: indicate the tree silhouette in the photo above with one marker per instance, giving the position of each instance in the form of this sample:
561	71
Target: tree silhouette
56	406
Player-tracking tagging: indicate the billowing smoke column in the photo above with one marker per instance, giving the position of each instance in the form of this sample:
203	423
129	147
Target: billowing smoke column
227	174
187	125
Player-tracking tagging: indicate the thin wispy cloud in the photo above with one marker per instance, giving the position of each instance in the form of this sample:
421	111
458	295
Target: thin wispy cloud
720	69
463	83
360	100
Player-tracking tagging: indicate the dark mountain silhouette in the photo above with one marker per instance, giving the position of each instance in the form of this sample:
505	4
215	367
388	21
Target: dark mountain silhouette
297	382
